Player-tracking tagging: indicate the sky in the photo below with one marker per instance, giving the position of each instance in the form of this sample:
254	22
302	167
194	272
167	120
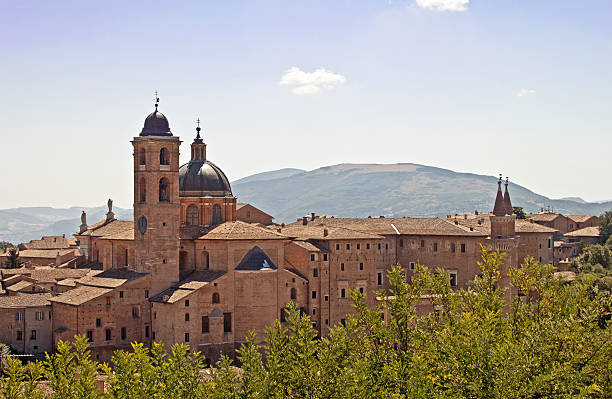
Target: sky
518	87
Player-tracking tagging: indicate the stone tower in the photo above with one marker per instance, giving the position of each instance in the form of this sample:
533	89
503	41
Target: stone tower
156	202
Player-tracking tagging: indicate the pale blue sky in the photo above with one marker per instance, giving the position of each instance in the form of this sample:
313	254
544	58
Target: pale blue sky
420	85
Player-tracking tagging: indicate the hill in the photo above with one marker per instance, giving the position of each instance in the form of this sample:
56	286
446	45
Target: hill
361	190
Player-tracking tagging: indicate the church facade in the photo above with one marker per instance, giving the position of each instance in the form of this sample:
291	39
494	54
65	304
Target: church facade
189	268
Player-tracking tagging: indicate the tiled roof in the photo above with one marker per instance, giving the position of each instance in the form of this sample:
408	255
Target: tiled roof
171	295
67	282
309	246
241	205
25	300
317	231
19	286
199	279
482	223
80	295
45	253
241	231
525	226
114	229
579	218
256	259
45	273
50	242
544	217
110	278
586	232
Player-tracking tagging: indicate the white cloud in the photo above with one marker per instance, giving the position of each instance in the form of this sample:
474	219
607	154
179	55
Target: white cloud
444	5
525	92
311	82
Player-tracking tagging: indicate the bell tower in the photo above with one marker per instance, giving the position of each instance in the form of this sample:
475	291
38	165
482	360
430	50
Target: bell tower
156	201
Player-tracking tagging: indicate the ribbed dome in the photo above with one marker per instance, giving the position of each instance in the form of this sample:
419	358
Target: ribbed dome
156	124
203	178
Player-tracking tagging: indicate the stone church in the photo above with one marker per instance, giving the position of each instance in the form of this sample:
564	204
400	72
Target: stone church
191	269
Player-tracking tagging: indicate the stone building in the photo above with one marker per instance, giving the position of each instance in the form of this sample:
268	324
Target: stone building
195	267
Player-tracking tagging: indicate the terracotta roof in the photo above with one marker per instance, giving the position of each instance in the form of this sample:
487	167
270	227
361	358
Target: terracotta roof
19	286
199	279
241	231
45	273
80	295
171	295
309	246
579	218
482	223
110	278
544	217
25	300
112	230
242	205
68	282
586	232
50	242
525	226
315	231
45	253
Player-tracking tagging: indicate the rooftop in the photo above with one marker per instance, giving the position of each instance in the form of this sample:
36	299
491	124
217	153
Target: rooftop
242	231
586	232
80	295
25	300
110	278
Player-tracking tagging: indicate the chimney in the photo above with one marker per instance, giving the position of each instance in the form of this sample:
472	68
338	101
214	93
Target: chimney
465	216
471	228
325	232
381	217
63	235
476	212
456	222
304	221
312	216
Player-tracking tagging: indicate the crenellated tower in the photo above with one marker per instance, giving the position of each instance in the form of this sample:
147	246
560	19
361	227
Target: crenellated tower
156	201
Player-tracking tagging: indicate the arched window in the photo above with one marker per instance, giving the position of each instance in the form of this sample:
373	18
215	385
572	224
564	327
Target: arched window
293	294
142	157
216	214
142	189
193	215
205	259
164	190
164	157
216	298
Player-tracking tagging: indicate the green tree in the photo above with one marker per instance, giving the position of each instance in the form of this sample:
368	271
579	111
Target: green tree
519	212
12	260
605	226
5	244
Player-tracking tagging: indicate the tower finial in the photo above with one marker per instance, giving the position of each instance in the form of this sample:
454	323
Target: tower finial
156	100
198	129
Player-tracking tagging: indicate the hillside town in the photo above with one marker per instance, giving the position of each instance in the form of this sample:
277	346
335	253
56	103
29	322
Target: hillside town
196	266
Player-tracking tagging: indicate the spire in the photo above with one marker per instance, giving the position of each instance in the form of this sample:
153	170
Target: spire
198	147
499	209
156	100
507	201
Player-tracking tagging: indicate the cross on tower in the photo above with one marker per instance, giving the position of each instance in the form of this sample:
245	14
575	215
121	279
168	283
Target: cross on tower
156	99
198	122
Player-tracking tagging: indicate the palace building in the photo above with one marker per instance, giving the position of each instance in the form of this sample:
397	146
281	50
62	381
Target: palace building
196	267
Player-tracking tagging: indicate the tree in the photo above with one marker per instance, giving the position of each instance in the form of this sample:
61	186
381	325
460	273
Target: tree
519	212
12	260
5	244
605	226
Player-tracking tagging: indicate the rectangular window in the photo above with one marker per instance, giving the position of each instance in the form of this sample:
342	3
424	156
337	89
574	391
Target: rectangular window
123	333
337	247
387	246
89	335
463	248
379	277
186	316
205	324
33	335
49	315
135	312
358	246
227	322
435	247
549	243
147	331
312	257
315	272
342	266
368	246
186	337
186	303
108	301
453	279
19	316
108	334
146	293
324	256
422	243
120	294
379	246
153	336
453	247
343	322
39	316
361	290
282	315
326	298
154	315
19	335
343	293
98	322
360	265
314	294
412	265
348	246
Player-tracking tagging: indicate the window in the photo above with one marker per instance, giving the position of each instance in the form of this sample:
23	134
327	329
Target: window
324	256
453	279
49	315
326	298
19	335
164	190
337	247
123	333
147	331
342	266
186	337
227	322
312	257
282	315
463	248
142	190
549	243
412	265
193	215
216	214
120	294
326	321
89	335
205	259
164	157
135	312
98	322
187	302
39	316
216	298
314	311
368	246
361	290
453	247
379	246
540	259
360	265
343	293
314	294
315	272
19	316
358	246
154	315
343	322
108	334
379	277
387	246
348	246
143	157
435	247
540	246
293	294
205	324
422	243
33	335
146	293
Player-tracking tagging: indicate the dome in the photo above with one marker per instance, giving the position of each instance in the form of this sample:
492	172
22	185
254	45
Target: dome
156	124
203	178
